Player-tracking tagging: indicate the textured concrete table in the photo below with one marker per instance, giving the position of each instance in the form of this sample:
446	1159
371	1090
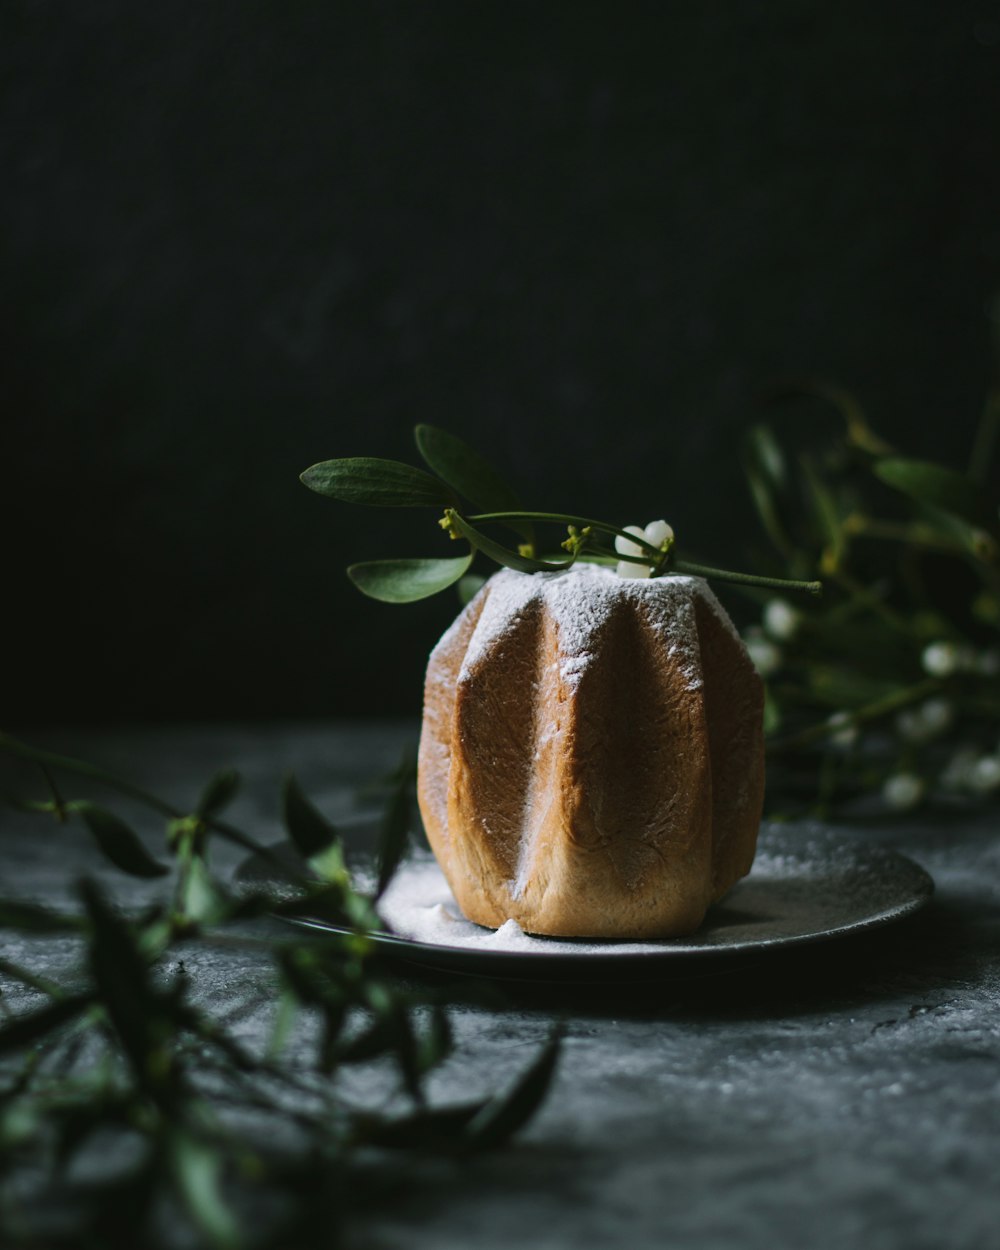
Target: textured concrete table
844	1094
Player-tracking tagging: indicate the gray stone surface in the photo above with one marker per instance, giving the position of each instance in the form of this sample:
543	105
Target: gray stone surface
846	1094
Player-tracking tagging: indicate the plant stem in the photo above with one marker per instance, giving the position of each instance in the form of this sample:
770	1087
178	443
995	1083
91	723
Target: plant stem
872	601
679	566
42	984
559	518
57	798
901	532
869	712
66	762
83	769
746	579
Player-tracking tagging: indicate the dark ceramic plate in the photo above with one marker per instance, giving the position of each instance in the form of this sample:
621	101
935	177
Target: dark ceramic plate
806	886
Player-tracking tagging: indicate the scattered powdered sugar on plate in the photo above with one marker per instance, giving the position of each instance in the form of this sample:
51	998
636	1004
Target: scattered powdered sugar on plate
805	885
419	905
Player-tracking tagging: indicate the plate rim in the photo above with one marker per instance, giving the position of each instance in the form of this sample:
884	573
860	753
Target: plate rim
421	952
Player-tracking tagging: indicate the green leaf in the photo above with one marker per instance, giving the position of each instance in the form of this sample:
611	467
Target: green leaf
394	834
506	1113
331	868
311	832
219	792
437	1042
938	486
406	581
285	1018
124	983
461	467
764	450
334	1017
33	980
772	713
119	843
21	1121
377	483
473	477
197	1168
826	514
199	897
764	465
504	555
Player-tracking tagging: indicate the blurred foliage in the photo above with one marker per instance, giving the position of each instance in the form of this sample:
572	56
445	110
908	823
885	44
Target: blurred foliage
891	683
130	1115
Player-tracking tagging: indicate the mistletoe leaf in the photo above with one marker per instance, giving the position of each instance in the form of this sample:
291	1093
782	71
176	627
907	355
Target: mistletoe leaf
198	1171
503	1115
376	483
218	792
118	842
938	486
311	832
406	581
395	832
465	470
767	477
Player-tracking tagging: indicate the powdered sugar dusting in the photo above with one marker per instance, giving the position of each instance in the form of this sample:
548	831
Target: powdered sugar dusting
580	602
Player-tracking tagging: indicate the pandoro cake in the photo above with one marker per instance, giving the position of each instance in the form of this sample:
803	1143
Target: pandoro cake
592	758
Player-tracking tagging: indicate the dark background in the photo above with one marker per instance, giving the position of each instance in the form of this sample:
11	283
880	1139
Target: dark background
239	238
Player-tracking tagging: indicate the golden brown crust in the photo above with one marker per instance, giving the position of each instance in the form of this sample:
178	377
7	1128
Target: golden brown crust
734	712
595	779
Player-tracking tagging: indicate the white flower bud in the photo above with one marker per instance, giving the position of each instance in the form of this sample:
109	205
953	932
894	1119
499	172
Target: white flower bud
765	655
657	533
936	715
940	659
625	568
921	724
957	774
781	620
626	548
985	775
902	791
843	730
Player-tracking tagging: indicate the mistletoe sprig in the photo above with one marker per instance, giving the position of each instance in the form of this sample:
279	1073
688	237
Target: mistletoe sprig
895	686
120	1046
460	476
